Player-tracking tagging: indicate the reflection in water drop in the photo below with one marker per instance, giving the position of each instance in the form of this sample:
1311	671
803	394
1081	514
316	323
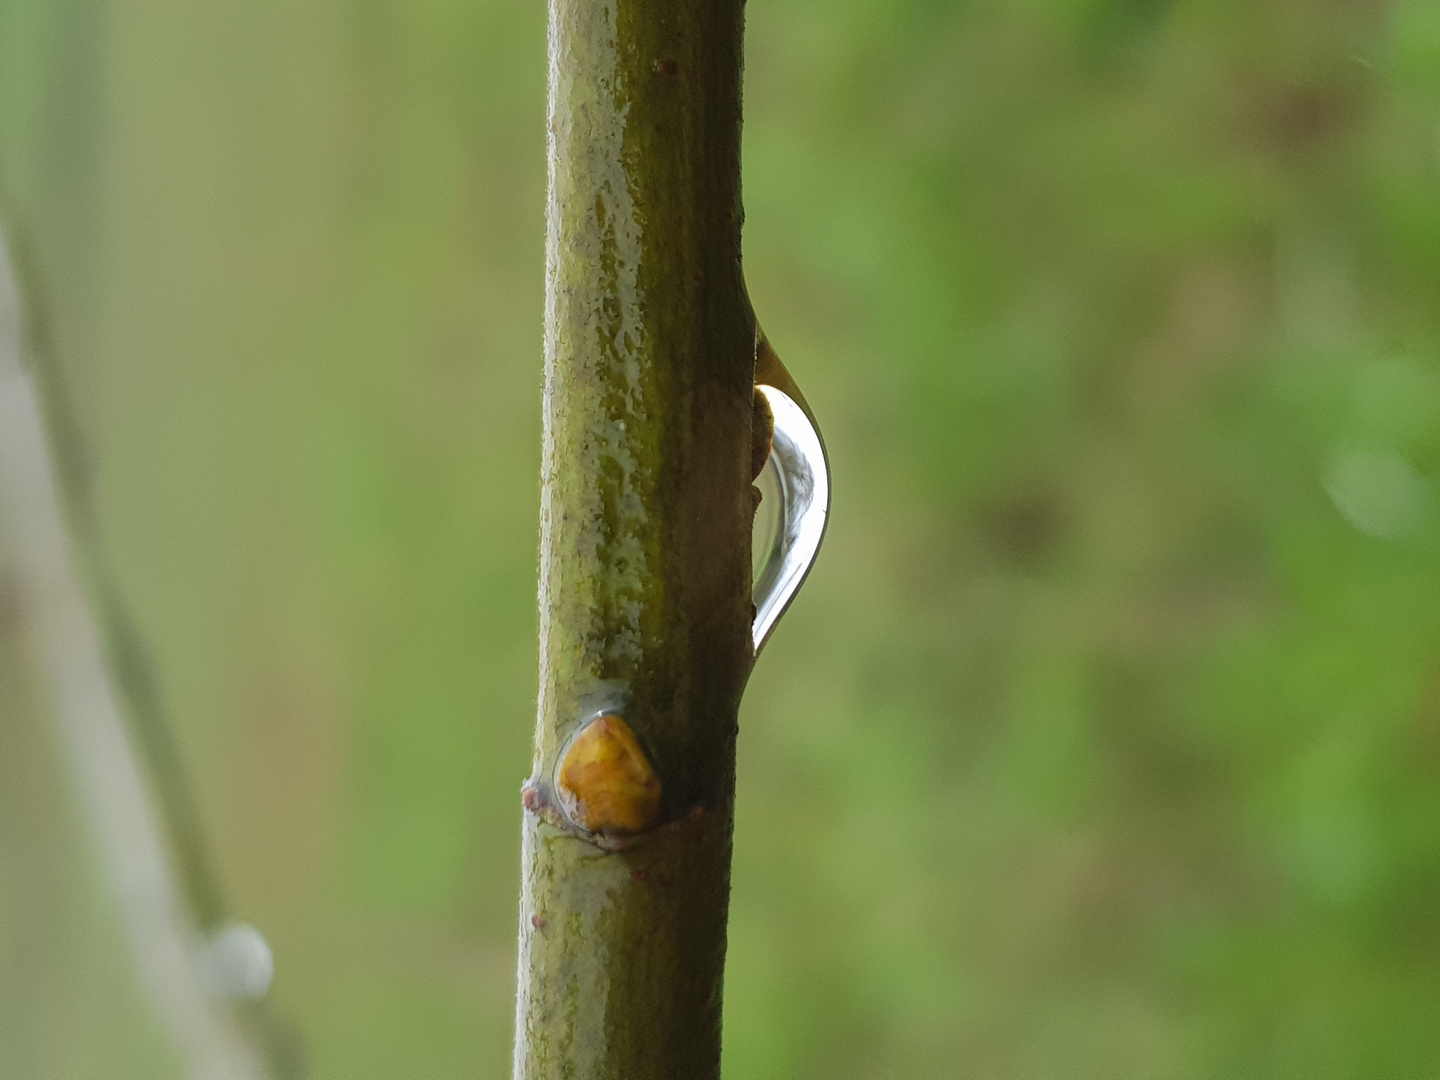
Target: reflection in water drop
765	532
795	485
236	963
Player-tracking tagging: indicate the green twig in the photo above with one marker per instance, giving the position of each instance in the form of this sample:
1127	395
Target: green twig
645	545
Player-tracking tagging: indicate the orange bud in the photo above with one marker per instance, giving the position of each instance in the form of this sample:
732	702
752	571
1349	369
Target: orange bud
605	782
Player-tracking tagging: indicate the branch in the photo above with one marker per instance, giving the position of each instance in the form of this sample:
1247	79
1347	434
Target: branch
645	606
105	771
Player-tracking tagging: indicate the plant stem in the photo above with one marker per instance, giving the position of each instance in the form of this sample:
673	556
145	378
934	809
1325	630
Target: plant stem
645	534
67	640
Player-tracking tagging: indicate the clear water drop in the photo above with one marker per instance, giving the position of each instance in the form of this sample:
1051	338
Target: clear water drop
795	504
236	963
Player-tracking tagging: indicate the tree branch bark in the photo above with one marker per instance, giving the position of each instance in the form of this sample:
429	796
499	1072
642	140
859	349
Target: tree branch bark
645	608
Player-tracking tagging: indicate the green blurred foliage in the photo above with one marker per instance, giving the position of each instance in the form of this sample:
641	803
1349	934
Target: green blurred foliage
1104	741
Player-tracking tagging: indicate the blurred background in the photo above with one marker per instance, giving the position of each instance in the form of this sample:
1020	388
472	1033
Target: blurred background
1103	742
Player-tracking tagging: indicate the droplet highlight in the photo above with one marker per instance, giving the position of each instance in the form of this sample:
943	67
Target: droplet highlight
794	508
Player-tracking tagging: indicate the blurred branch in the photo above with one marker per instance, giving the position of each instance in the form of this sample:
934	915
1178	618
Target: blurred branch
67	639
645	607
133	669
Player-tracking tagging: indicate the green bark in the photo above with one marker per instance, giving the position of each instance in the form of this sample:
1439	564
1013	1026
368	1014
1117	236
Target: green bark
645	534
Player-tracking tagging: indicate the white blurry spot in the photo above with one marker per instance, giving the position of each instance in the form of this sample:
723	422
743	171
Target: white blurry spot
1378	492
236	963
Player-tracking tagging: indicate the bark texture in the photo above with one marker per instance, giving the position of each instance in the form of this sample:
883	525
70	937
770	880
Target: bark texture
645	534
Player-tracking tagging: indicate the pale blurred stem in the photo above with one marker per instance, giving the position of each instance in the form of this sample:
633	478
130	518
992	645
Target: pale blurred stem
130	663
645	531
69	163
67	637
168	891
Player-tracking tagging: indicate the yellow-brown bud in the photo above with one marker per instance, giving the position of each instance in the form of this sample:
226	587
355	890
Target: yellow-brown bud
605	782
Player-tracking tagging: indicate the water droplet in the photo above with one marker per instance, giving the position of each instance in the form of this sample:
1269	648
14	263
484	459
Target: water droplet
236	963
790	523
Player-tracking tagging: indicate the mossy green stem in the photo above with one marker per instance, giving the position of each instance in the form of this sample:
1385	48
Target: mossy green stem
645	605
